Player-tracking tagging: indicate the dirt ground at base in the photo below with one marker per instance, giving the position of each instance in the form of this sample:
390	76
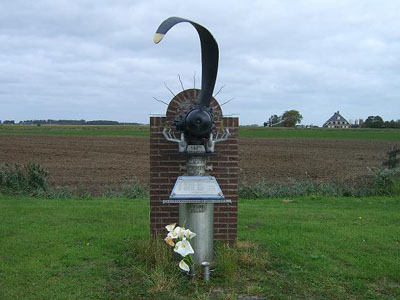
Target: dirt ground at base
99	163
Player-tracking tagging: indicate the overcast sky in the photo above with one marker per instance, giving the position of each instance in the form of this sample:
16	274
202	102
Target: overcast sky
96	59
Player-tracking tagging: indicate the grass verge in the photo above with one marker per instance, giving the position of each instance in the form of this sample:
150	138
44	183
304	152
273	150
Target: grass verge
321	133
244	131
31	180
77	130
382	182
298	248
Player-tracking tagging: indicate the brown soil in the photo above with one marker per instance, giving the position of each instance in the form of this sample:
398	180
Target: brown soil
319	159
91	163
96	163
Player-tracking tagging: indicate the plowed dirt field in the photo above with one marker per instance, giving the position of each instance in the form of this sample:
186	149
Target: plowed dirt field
97	163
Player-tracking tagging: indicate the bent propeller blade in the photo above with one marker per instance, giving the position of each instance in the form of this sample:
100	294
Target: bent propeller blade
209	55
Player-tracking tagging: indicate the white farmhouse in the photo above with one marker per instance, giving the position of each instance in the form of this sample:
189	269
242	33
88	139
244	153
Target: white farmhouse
336	121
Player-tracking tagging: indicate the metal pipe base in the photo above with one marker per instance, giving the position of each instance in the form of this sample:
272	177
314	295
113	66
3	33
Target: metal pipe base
199	218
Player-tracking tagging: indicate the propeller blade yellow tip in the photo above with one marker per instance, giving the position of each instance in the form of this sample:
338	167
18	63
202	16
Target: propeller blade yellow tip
158	37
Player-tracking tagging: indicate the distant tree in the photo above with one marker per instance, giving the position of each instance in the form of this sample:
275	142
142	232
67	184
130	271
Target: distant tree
102	122
373	122
273	120
291	118
392	124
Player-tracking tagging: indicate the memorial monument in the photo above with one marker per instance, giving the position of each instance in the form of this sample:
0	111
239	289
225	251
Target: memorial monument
181	187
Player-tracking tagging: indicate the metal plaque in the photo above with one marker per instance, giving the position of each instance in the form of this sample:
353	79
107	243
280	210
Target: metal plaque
196	189
195	149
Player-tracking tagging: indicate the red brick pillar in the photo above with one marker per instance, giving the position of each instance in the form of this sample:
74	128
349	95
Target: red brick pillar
165	163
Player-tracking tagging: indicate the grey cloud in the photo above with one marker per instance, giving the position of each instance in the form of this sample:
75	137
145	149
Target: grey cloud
96	59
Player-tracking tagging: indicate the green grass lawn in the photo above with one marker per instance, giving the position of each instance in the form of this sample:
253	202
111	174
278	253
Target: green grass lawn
316	248
321	133
258	132
63	249
77	130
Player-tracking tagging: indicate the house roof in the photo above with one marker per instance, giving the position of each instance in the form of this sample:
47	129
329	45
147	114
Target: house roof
336	117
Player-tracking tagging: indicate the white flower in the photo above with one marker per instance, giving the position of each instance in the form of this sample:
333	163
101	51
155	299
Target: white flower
178	232
170	227
183	248
184	266
171	232
172	235
188	234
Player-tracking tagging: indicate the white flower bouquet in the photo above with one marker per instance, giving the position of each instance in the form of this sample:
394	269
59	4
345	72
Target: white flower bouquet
178	237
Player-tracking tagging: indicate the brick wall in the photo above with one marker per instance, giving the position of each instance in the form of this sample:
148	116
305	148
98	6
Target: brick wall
165	168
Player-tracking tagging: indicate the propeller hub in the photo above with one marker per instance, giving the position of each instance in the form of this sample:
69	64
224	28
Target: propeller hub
199	123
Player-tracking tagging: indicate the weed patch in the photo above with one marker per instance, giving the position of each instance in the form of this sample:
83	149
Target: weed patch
130	189
149	266
383	182
29	179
